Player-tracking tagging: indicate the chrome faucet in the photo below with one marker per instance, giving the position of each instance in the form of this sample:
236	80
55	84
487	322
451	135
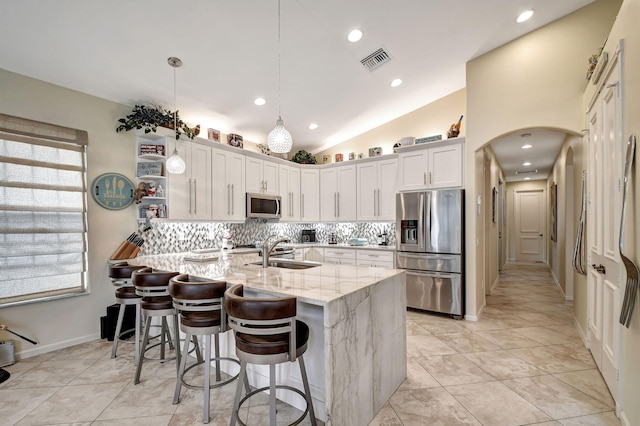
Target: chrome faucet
267	249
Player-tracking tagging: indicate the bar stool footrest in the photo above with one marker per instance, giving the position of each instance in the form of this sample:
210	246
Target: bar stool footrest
252	393
213	385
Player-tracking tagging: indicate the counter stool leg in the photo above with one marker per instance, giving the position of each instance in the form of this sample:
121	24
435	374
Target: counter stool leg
217	347
183	364
236	401
176	331
207	376
272	394
137	333
194	338
116	336
145	342
307	390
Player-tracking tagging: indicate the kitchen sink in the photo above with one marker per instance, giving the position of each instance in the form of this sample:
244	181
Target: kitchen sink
288	264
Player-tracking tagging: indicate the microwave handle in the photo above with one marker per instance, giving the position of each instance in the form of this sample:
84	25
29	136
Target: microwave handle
277	207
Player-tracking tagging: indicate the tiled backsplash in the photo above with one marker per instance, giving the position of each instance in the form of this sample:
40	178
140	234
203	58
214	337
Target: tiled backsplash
167	237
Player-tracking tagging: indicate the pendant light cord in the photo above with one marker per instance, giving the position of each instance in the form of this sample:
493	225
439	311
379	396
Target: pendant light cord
175	103
279	77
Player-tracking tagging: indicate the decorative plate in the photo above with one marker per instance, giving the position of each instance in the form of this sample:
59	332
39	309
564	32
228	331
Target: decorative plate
112	191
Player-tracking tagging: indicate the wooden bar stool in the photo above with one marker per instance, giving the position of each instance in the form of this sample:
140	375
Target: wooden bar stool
267	333
199	303
120	274
153	286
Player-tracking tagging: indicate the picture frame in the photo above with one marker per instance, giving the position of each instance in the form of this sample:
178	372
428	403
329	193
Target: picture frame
213	135
235	140
553	195
494	200
149	168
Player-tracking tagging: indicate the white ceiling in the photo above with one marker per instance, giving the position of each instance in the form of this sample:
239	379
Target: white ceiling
545	146
118	50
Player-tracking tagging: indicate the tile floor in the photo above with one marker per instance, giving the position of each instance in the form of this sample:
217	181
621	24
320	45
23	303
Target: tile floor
521	364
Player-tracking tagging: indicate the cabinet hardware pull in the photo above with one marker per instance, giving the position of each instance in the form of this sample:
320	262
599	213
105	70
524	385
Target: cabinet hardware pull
233	200
302	206
189	195
425	178
430	178
195	196
228	199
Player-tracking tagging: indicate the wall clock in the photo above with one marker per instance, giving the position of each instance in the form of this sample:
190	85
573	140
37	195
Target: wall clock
112	191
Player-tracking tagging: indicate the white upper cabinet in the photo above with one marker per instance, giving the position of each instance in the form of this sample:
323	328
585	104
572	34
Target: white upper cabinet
261	176
309	195
229	201
431	165
376	189
289	181
190	192
338	194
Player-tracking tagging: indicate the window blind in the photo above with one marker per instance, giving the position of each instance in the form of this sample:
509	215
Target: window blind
43	215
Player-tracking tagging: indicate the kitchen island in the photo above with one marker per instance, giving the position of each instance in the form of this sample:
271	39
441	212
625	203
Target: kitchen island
356	357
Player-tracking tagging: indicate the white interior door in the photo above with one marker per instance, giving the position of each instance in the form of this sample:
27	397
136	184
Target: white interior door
604	292
530	220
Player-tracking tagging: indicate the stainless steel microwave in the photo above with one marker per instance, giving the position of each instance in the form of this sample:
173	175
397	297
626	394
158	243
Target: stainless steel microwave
263	206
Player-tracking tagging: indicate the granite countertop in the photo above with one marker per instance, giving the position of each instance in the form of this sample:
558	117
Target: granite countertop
319	285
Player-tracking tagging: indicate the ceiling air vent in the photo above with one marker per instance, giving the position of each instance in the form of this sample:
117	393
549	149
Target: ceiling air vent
374	60
522	172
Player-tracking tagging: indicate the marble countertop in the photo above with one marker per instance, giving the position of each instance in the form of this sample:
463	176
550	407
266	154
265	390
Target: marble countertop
343	245
320	285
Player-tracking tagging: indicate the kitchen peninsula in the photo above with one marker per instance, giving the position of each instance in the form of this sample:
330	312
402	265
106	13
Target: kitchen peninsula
357	346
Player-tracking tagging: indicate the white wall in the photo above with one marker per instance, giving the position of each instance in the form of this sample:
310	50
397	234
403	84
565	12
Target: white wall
66	321
535	81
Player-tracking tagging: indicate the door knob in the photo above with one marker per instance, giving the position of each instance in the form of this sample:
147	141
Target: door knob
599	268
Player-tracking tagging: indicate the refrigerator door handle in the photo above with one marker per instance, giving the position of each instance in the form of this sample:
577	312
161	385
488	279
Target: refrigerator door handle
431	274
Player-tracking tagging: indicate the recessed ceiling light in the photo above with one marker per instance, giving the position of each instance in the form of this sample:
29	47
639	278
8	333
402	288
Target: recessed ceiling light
528	163
396	82
524	16
313	126
259	101
527	178
527	146
354	36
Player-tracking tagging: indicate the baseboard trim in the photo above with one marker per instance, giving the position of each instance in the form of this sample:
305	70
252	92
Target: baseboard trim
623	419
471	318
583	336
39	350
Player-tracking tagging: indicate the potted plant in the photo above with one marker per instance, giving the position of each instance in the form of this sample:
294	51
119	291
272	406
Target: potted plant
149	118
304	157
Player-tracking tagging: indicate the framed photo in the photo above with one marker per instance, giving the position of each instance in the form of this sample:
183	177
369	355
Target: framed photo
494	200
554	211
235	140
213	135
149	168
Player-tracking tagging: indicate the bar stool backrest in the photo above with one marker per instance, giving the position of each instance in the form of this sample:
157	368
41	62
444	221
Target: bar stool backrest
120	273
151	282
262	316
195	294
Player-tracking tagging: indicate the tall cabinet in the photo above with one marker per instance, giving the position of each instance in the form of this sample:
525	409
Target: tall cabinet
338	193
190	192
228	185
376	190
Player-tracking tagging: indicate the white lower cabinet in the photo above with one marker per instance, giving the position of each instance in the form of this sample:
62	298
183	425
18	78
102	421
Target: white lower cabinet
314	254
340	256
375	258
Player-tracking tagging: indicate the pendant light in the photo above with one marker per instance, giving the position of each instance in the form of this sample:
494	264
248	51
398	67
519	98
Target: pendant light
279	139
175	164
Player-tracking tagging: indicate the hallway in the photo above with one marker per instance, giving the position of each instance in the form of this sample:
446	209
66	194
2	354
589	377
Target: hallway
522	363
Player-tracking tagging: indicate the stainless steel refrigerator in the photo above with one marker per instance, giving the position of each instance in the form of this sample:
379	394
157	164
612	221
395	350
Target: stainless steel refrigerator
430	246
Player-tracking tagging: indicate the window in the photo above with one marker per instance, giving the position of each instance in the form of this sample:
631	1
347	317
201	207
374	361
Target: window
43	211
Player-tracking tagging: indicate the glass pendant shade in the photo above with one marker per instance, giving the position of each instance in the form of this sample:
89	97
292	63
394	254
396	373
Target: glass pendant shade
279	139
175	164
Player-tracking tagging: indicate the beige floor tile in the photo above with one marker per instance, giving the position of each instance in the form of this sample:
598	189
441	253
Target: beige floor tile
600	419
414	328
454	370
107	370
17	403
421	346
539	318
553	358
467	342
148	398
73	404
556	398
495	404
417	377
544	335
386	417
433	407
50	373
589	382
503	365
507	339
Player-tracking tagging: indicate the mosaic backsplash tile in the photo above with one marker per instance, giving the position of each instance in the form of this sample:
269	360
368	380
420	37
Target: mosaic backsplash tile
168	237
